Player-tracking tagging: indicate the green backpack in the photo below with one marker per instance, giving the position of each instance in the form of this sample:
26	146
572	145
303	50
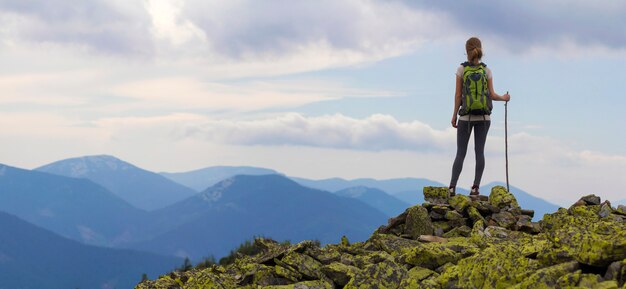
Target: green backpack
475	92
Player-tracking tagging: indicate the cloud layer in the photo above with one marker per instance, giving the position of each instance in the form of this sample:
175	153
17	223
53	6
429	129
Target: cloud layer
377	132
356	30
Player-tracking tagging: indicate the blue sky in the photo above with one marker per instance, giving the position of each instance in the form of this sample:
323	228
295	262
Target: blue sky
352	88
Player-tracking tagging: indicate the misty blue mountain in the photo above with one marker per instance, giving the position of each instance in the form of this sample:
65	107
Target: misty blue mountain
376	198
141	188
75	208
202	179
408	190
211	222
238	208
390	186
32	257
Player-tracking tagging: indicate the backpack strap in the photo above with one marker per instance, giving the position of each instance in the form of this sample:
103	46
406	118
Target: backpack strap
466	64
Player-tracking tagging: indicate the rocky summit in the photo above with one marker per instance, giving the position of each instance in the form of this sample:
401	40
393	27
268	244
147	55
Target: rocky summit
447	242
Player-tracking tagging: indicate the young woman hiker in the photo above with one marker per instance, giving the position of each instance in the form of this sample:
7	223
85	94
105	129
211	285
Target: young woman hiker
472	102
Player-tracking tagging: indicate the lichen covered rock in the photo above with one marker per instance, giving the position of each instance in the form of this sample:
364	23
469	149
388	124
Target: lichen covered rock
316	284
456	242
418	222
497	266
459	203
501	198
340	273
386	274
585	236
430	255
436	195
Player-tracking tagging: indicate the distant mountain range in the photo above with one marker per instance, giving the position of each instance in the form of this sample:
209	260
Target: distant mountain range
75	208
391	186
376	198
202	179
238	208
32	257
74	198
141	188
407	190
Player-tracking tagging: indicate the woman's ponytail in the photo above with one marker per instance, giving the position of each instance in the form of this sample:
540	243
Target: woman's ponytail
474	50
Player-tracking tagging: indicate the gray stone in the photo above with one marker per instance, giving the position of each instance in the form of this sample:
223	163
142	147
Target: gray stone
504	219
591	200
418	222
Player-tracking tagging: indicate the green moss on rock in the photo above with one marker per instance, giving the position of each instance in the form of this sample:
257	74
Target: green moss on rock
588	238
431	255
304	264
386	274
436	194
475	215
418	222
502	199
315	284
340	273
391	244
498	266
463	231
547	277
459	203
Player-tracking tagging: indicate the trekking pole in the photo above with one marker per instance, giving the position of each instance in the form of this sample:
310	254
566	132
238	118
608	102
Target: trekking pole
506	143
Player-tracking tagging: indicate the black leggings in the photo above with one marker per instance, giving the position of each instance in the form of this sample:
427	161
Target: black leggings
463	131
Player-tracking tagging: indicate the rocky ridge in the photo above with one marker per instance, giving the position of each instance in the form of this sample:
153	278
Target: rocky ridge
447	242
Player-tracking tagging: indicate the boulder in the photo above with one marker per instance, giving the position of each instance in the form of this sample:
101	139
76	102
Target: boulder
501	198
459	203
591	200
418	222
436	195
548	277
315	284
339	273
304	264
430	255
498	266
415	276
605	210
386	274
475	215
585	236
463	231
393	245
453	215
504	219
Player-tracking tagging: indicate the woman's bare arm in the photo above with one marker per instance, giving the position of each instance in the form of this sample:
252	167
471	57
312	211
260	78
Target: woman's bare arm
457	99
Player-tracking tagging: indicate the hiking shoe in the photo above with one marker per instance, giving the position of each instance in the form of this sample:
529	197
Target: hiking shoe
452	191
474	191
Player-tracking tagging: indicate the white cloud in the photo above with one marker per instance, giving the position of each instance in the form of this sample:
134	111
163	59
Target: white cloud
167	23
377	132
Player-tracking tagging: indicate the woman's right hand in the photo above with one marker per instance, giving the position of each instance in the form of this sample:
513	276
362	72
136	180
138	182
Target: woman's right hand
453	121
506	96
